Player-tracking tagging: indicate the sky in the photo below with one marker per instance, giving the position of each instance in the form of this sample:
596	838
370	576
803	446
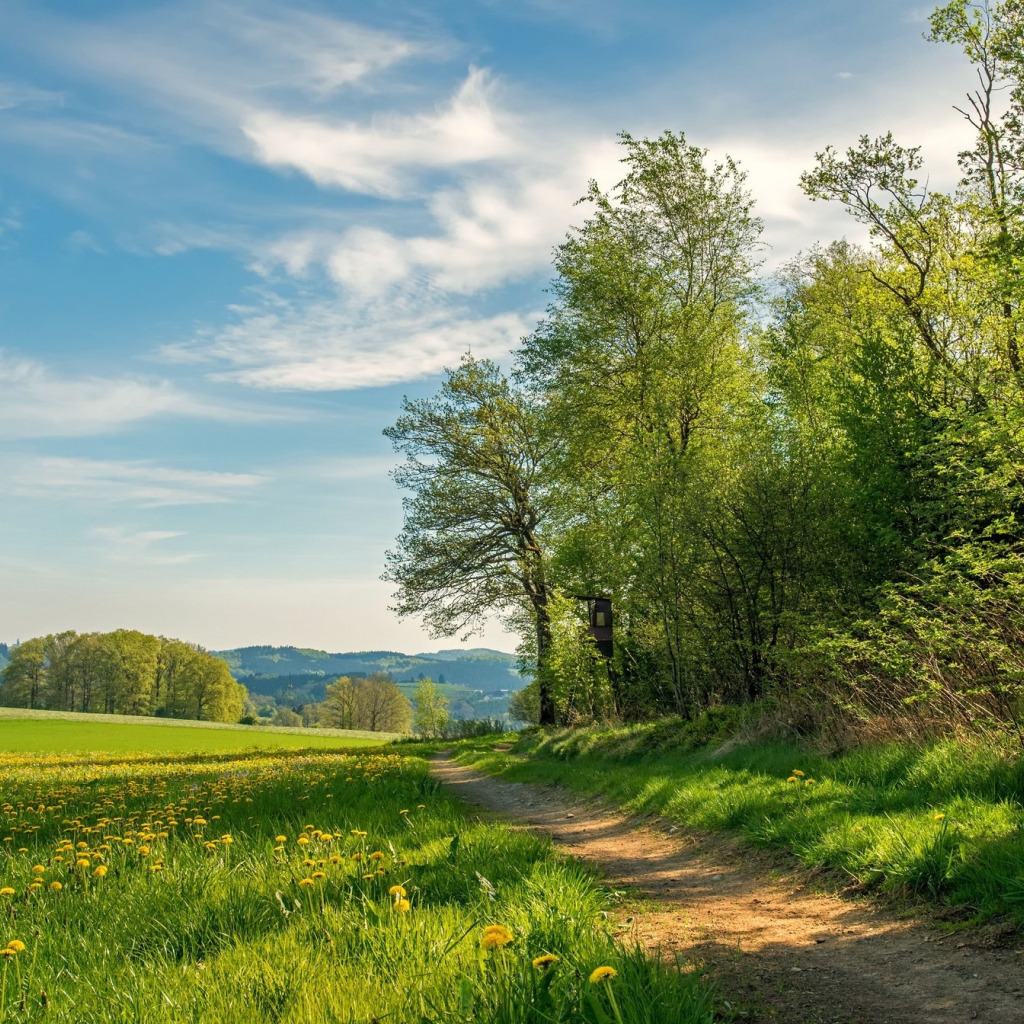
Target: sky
233	235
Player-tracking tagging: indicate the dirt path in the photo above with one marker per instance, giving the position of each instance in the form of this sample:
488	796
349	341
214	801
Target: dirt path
786	955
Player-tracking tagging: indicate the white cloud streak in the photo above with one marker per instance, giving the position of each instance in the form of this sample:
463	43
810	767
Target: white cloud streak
140	483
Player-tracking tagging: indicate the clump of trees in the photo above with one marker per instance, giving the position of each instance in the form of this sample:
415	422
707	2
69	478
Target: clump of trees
124	672
372	702
806	491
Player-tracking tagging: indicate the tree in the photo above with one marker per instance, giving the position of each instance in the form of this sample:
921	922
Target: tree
285	716
25	675
430	715
471	543
338	710
380	705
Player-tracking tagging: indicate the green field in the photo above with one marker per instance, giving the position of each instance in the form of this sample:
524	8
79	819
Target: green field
299	888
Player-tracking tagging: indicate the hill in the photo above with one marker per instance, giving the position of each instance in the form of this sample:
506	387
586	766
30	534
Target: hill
477	682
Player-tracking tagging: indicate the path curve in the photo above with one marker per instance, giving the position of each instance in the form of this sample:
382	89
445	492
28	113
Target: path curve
787	955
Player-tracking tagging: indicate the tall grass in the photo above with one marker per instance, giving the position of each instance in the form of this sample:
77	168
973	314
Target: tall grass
297	887
943	821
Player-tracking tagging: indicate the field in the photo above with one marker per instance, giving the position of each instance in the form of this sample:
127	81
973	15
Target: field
940	821
300	887
54	731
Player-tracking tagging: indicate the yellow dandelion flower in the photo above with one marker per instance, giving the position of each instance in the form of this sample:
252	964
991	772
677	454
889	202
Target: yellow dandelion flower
305	882
544	961
143	851
17	945
35	886
938	817
369	878
100	871
357	856
335	859
808	782
376	855
302	840
319	874
404	810
84	862
402	906
796	771
38	869
496	936
792	778
281	839
7	953
599	974
55	886
83	846
397	890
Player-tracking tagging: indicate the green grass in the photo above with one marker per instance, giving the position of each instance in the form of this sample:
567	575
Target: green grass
941	821
203	915
80	733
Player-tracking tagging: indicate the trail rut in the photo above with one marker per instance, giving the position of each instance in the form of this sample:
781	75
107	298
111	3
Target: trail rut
784	954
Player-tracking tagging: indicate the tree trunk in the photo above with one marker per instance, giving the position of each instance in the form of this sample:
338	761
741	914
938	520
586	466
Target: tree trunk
547	702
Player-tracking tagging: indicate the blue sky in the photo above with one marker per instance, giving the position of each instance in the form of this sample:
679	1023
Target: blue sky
234	235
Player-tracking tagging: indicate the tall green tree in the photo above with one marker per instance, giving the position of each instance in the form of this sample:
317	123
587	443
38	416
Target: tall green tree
472	543
430	709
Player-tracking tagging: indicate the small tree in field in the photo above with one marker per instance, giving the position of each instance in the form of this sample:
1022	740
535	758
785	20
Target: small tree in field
431	709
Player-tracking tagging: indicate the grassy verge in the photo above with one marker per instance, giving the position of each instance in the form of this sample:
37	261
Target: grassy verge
310	888
942	821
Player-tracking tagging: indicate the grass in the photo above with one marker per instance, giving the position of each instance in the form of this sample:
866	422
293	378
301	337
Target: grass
53	731
301	888
942	821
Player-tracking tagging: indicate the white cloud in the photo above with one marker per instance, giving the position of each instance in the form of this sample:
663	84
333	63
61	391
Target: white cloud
39	403
377	157
329	346
136	547
136	482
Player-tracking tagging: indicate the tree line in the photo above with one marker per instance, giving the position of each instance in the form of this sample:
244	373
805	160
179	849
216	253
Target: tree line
124	672
802	490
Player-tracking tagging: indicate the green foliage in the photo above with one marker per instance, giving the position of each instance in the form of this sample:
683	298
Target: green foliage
124	672
430	715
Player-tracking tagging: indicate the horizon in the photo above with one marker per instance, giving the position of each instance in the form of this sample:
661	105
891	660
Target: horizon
232	238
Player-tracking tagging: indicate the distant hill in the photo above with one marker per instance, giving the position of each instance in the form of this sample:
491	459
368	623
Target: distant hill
477	682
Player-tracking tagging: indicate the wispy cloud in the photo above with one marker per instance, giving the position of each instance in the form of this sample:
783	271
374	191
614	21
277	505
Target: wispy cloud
40	403
140	547
140	483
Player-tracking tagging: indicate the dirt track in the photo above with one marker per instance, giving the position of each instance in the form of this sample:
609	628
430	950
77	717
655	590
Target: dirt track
785	954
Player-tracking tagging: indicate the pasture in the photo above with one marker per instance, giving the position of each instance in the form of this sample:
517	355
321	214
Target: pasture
300	887
56	731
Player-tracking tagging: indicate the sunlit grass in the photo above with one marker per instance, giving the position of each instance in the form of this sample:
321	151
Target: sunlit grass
943	821
304	888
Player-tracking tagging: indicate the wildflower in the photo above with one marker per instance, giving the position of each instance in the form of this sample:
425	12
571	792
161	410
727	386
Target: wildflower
84	862
17	945
143	851
281	839
402	906
404	810
226	840
6	891
544	961
792	778
357	856
55	886
305	882
100	871
335	859
302	840
7	953
319	874
38	869
308	862
83	846
35	886
376	855
938	817
369	878
808	782
397	890
599	974
496	936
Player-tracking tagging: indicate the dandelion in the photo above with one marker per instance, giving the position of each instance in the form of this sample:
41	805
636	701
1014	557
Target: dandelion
544	961
797	772
402	906
376	855
16	945
369	878
939	817
496	936
7	954
84	862
397	890
792	778
56	886
281	839
808	782
599	974
38	869
319	874
305	882
6	891
100	871
357	856
302	840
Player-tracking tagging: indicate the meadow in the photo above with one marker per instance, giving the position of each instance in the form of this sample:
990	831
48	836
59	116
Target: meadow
54	731
298	886
940	822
